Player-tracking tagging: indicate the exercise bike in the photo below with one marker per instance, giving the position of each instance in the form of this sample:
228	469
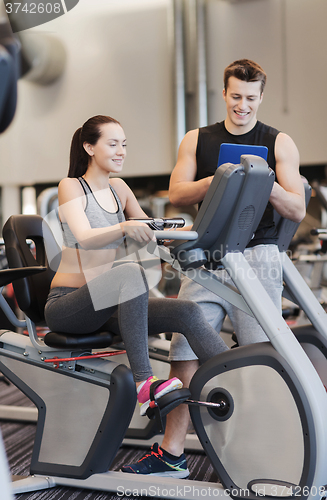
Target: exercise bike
263	428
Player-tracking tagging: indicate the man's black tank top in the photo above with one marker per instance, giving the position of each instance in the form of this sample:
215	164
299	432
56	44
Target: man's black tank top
207	152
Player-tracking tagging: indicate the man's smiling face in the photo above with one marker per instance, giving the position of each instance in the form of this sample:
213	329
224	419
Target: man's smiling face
242	102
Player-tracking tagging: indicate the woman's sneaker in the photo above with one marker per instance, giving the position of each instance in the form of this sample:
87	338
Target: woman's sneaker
157	463
143	391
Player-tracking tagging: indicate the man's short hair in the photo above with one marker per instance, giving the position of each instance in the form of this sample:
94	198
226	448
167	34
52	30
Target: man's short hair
246	70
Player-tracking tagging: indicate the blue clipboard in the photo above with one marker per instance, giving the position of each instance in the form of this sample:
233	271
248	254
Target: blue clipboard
231	153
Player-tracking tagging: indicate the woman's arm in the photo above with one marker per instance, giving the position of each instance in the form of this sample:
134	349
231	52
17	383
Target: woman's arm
71	210
136	230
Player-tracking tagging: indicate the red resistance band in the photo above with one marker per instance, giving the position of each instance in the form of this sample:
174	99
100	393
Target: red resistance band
57	360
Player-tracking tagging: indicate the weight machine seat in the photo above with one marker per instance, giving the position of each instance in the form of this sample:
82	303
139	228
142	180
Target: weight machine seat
31	292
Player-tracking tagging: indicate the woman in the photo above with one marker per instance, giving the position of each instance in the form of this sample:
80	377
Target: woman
87	291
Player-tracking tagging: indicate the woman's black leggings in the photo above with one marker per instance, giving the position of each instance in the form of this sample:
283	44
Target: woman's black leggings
119	299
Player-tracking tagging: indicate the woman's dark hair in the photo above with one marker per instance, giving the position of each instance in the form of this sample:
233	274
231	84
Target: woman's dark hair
90	132
246	70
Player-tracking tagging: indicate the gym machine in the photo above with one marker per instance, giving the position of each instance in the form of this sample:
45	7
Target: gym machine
141	431
264	428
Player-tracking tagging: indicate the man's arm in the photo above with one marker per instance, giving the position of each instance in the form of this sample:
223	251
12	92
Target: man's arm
183	189
287	196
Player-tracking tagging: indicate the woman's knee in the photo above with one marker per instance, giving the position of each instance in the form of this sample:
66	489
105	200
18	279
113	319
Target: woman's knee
189	310
133	272
133	267
132	281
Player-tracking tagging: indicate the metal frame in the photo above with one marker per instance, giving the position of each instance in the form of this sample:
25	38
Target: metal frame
283	341
252	298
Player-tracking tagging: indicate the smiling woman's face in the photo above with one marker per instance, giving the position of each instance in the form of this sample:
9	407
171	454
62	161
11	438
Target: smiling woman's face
110	151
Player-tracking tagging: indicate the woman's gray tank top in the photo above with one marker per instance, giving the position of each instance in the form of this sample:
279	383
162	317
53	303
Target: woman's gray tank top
97	217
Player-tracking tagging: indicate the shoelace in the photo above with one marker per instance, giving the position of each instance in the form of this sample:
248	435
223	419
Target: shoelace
152	452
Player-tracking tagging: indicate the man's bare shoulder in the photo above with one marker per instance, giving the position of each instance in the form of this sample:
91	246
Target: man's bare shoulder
192	135
285	147
189	142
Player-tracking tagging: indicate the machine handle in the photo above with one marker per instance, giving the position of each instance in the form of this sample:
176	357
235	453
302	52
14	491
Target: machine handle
316	231
161	223
176	235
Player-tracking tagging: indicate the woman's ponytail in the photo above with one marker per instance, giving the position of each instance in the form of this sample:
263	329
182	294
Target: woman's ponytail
78	159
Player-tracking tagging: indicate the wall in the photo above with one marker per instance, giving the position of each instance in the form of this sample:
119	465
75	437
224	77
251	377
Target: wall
294	58
118	63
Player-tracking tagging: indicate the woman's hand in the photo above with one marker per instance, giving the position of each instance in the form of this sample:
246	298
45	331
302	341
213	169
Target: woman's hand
137	231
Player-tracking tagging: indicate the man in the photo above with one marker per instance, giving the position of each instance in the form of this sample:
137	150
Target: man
244	82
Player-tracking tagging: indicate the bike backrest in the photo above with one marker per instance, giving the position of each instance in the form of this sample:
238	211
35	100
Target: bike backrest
28	242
